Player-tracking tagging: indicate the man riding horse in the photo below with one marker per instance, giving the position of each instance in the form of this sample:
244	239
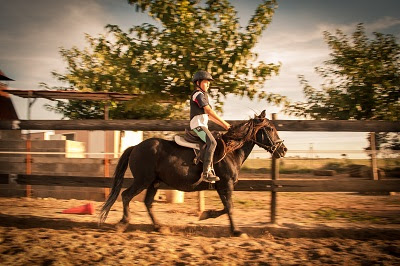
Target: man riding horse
200	112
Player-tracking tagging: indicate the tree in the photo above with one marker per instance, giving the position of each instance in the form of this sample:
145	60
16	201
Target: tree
362	80
157	62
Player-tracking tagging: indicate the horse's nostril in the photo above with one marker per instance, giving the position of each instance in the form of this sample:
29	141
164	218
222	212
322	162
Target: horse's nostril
285	149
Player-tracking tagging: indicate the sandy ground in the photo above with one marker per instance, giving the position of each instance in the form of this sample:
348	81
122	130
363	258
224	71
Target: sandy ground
312	229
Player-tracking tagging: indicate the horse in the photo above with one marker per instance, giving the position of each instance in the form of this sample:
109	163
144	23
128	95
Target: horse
157	160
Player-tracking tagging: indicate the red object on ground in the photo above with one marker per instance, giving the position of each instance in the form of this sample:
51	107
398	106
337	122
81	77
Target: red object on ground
84	209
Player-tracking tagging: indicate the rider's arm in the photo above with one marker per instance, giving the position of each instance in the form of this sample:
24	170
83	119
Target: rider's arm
215	117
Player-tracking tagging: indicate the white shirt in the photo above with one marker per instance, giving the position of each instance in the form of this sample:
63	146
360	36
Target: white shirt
199	121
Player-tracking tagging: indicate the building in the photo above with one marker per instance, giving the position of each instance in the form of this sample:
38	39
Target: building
7	110
92	144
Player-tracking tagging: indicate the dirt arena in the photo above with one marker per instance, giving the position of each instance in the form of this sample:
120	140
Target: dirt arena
312	229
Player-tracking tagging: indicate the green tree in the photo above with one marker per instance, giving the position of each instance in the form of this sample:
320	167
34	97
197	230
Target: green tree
157	62
362	80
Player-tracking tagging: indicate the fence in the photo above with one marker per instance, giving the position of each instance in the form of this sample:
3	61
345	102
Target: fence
180	125
274	185
242	185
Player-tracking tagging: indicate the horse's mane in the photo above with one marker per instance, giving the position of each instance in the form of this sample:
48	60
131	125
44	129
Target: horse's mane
240	133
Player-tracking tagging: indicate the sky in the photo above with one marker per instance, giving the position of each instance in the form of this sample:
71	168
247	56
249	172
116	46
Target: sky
32	33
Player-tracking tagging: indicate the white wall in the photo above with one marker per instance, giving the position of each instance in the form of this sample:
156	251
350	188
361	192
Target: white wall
128	138
96	144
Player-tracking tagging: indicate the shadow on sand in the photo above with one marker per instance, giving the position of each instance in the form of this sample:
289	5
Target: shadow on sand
271	231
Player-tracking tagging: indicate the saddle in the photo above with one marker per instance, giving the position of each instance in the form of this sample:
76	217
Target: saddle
191	140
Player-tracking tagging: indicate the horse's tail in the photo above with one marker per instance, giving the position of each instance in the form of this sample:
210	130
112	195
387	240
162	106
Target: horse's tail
117	184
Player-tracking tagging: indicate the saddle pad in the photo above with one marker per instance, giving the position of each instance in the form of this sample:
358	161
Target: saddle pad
182	142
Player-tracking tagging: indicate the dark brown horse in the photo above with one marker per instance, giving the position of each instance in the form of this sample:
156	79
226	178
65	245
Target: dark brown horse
157	160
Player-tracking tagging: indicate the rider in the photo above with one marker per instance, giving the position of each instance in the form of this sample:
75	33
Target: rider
200	112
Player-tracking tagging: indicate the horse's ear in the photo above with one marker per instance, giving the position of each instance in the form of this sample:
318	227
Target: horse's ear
262	115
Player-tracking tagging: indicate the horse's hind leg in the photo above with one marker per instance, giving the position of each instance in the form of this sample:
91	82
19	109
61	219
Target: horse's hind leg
127	196
148	201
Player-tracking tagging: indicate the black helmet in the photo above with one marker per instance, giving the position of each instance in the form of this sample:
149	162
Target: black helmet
201	75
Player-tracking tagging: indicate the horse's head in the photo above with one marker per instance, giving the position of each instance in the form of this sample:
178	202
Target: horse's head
258	130
266	136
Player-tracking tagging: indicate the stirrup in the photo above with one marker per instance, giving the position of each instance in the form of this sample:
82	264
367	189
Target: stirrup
210	176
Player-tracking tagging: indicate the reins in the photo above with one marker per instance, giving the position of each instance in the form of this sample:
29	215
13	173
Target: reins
250	135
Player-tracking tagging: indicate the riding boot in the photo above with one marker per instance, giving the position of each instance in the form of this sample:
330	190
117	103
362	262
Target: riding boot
208	171
209	176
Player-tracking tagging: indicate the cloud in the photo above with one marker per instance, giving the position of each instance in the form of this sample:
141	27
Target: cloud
299	38
32	33
380	24
36	30
301	49
383	24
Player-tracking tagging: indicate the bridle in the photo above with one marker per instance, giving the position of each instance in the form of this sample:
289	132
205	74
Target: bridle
251	135
274	145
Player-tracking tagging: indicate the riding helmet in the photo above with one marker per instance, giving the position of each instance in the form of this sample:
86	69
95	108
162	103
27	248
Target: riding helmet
201	75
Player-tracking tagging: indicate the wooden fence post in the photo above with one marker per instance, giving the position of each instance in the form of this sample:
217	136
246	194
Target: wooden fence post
274	176
106	159
374	164
28	188
201	201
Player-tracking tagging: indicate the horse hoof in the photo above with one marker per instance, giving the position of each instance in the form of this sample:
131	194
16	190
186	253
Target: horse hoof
162	229
203	216
121	227
240	234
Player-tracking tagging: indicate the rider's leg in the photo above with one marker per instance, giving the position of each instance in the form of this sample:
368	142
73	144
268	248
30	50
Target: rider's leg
208	138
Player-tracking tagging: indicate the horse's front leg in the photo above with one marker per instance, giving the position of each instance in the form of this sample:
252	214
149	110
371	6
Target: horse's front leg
225	194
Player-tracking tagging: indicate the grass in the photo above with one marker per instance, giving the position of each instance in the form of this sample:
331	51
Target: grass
245	203
304	165
334	214
239	201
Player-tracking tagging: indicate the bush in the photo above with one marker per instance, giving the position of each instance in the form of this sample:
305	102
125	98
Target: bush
336	166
